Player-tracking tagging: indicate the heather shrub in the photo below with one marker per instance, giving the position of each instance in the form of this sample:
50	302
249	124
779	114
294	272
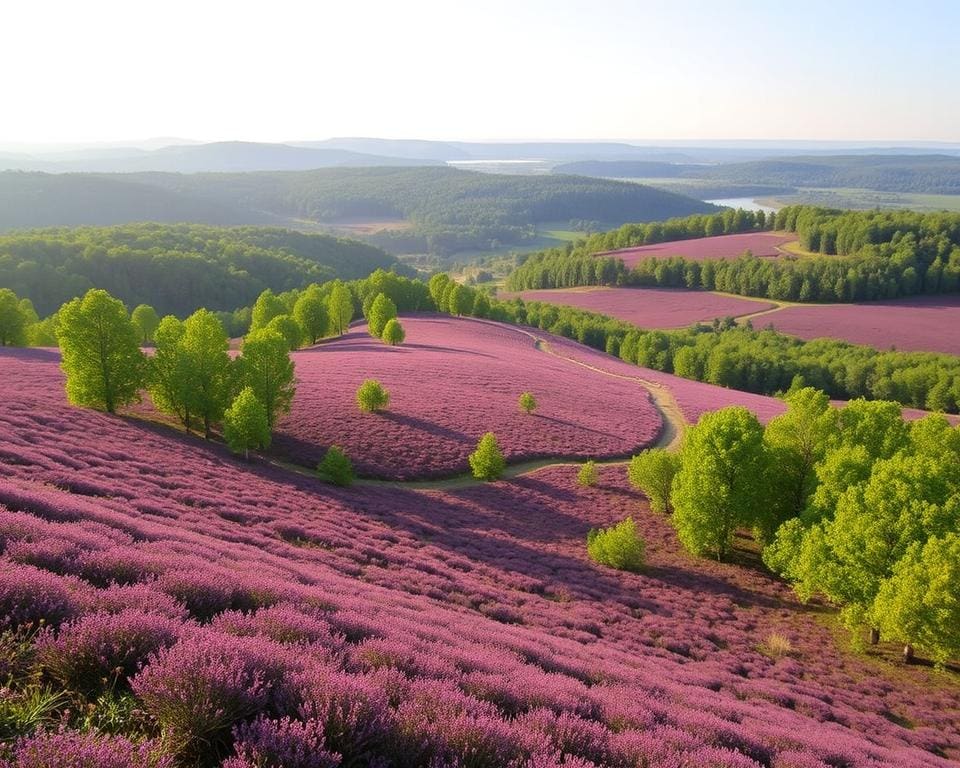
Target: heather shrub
281	623
121	597
31	597
487	462
100	650
588	475
372	397
619	546
70	749
285	743
209	592
336	467
527	402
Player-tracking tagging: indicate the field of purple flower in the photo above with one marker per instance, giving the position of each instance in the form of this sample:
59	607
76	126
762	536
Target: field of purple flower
451	381
257	617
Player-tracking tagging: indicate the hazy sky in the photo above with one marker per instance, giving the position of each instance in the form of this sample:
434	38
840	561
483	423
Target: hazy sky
283	70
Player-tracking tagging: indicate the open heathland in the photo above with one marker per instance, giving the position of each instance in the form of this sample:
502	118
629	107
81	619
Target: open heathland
699	249
650	307
404	627
918	323
452	380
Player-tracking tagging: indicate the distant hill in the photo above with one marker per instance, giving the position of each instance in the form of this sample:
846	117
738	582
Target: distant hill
448	210
627	169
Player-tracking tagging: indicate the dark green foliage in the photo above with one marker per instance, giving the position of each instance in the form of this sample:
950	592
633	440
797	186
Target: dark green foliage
619	546
336	467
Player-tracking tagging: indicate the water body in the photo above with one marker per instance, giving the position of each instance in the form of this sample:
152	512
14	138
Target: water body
747	203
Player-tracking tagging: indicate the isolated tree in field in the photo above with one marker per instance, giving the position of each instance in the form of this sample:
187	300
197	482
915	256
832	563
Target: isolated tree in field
918	604
340	308
381	312
245	424
487	462
101	354
146	320
393	333
721	482
289	328
587	476
310	310
652	472
267	306
372	397
168	371
527	402
13	322
266	367
336	467
620	546
209	380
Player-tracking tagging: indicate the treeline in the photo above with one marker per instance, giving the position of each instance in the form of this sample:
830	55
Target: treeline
865	256
177	268
852	504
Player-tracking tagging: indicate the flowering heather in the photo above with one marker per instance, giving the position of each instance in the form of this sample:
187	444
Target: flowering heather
919	323
75	750
465	626
650	307
449	383
700	249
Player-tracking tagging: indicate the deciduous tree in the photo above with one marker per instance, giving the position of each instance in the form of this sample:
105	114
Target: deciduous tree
146	320
382	310
310	311
487	462
245	424
340	308
372	397
13	322
393	333
652	471
266	367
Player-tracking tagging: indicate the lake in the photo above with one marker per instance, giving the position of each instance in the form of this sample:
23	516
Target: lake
747	203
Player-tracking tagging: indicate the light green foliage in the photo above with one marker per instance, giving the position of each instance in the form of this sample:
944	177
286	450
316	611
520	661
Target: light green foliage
587	476
146	320
267	307
527	402
310	311
13	321
460	300
289	328
208	382
487	462
30	315
920	603
43	333
340	307
372	397
876	425
652	471
934	436
265	365
336	467
721	485
382	310
841	468
619	546
438	286
169	379
101	354
393	333
245	424
481	305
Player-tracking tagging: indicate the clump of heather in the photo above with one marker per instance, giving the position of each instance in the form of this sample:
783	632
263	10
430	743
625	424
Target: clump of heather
32	597
70	749
285	743
209	592
99	650
281	623
144	597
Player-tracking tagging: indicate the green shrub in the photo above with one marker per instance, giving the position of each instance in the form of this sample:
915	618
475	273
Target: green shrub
487	461
393	332
372	397
619	546
336	467
528	403
587	476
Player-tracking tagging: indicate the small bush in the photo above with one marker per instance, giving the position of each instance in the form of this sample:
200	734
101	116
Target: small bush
487	462
69	749
776	645
652	471
372	397
619	546
336	467
528	403
587	476
30	597
393	333
287	743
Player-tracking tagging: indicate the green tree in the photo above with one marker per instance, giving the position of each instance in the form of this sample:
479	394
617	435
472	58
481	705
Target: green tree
587	476
310	311
652	471
918	605
267	306
208	368
245	423
720	485
620	546
13	322
28	311
527	402
340	307
266	367
169	380
437	286
393	333
146	320
460	301
336	467
100	352
381	312
487	462
289	328
372	397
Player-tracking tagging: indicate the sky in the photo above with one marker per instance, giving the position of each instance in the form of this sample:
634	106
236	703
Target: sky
110	70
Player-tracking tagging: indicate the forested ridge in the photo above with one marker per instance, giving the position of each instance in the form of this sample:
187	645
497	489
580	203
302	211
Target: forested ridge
858	256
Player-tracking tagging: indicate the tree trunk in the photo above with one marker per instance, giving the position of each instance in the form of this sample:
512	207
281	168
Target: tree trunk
908	653
206	428
874	635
